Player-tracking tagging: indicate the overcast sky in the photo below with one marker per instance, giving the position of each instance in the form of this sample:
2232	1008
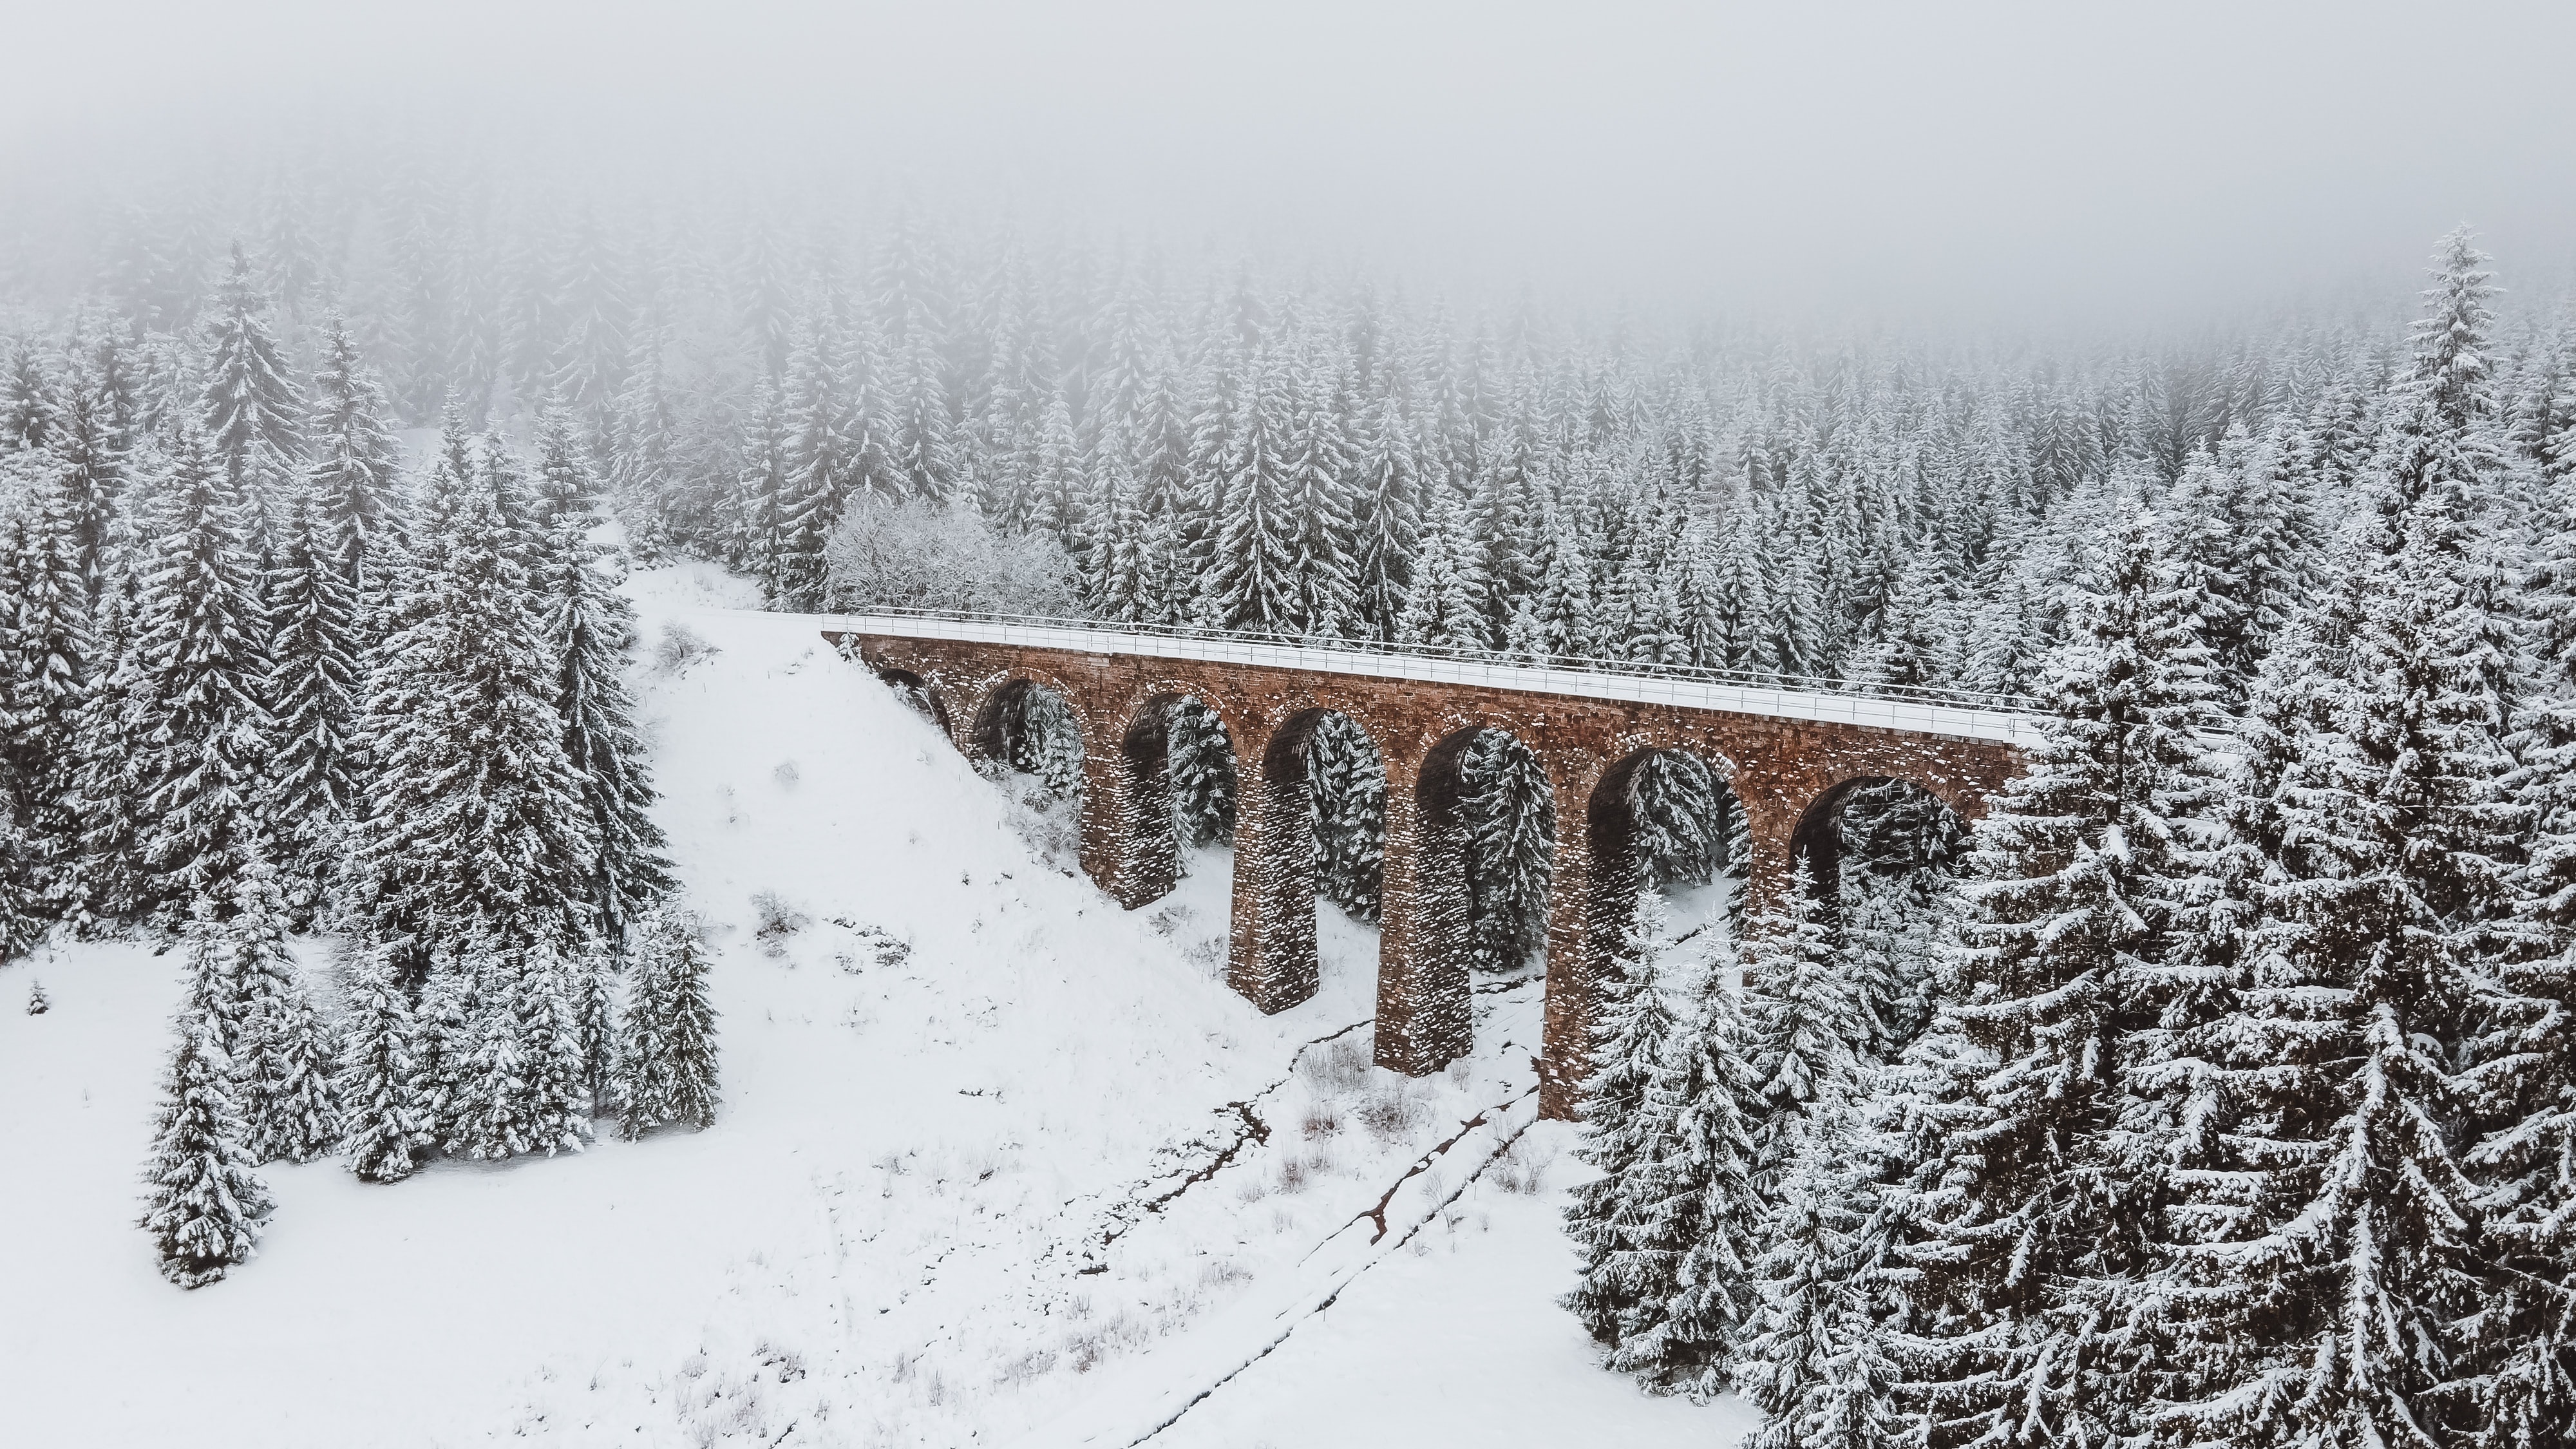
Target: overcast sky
2031	160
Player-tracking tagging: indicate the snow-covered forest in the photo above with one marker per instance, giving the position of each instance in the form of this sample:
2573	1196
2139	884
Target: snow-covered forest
436	842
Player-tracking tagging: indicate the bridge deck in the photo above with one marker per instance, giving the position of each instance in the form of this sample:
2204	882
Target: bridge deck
1955	715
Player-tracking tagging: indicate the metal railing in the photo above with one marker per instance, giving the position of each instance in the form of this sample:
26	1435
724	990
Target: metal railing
1966	713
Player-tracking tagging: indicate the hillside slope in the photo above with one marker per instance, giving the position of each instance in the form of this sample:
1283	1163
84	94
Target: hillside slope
997	1162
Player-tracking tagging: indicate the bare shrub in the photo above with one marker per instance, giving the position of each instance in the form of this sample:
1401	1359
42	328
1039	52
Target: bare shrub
1390	1112
1292	1174
1323	1119
915	554
1520	1169
776	920
785	775
678	648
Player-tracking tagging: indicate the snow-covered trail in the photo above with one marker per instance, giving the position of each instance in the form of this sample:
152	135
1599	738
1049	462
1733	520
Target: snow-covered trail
996	1160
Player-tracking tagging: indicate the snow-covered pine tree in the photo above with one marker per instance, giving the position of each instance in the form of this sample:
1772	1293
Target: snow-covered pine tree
526	1087
1346	792
192	717
666	1060
1201	767
1806	1022
314	656
46	661
1387	476
1254	583
2025	1221
474	818
1510	817
282	1060
251	410
490	1065
352	479
1700	1103
2335	1282
1816	1361
589	628
203	1205
383	1126
1629	1246
1444	607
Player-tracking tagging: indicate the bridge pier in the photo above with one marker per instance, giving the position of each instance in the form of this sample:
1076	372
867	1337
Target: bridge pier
1128	846
1423	998
1270	955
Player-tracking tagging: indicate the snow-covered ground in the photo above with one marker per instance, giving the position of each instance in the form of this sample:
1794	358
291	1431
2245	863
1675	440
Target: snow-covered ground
997	1163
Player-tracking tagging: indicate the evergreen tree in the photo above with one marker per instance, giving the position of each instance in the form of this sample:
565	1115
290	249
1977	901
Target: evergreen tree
384	1129
192	718
589	628
474	818
1806	1023
251	412
1510	817
282	1060
666	1061
1700	1103
350	481
2027	1222
1816	1362
1254	584
311	688
1629	1248
204	1206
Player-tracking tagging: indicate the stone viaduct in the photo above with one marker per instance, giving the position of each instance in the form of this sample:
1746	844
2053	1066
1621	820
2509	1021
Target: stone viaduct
1789	756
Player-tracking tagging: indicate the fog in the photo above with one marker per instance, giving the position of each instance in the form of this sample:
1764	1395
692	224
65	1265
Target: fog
2023	162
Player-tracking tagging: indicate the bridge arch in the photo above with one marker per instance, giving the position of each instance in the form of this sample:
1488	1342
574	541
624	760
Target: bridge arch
1817	839
1270	954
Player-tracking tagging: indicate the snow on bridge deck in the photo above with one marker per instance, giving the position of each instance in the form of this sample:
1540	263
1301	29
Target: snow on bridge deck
1954	714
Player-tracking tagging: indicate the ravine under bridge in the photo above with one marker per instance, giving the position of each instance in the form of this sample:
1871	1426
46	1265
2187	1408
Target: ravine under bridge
1789	754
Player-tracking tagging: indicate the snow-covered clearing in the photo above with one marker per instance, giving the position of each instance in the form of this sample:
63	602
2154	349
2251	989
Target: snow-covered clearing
998	1163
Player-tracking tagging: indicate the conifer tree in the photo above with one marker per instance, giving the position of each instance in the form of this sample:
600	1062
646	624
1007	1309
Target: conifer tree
2026	1221
1510	811
474	818
1816	1362
2331	1266
1700	1103
203	1205
1254	582
1806	1023
383	1127
351	479
1444	607
1629	1248
252	412
589	630
46	662
192	717
666	1060
313	678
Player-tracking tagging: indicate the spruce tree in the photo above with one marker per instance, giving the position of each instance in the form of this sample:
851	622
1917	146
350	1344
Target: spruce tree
283	1057
589	628
1700	1104
197	731
315	654
350	481
1629	1248
2027	1223
251	409
1806	1023
203	1205
1510	817
2331	1274
1816	1361
383	1127
474	818
666	1059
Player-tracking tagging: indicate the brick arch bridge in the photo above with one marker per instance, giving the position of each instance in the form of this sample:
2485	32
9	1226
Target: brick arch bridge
1788	755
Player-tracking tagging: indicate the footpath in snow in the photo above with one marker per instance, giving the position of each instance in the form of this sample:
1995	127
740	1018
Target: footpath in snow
997	1163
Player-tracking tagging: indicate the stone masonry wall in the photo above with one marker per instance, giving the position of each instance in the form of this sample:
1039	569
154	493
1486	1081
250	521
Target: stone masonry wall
1787	774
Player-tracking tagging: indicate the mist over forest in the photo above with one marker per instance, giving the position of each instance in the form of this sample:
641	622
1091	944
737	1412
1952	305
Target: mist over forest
2196	389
